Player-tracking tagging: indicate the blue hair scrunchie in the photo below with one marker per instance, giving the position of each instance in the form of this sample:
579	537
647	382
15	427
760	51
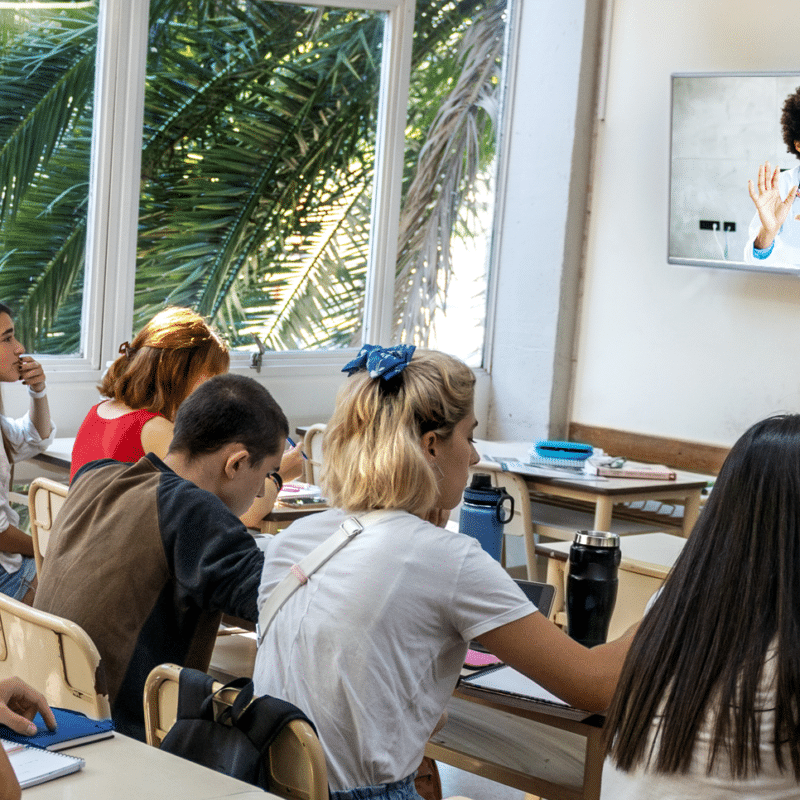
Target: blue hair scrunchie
381	362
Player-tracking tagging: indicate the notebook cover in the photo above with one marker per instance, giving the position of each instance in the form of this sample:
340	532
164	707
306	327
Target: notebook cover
73	729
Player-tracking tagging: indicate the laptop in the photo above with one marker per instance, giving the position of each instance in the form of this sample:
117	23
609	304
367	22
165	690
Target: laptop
540	594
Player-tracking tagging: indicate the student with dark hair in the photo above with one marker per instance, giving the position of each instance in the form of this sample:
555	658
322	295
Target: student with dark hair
774	233
146	556
22	438
708	704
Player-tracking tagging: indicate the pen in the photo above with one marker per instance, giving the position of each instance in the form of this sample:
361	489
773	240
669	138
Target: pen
292	444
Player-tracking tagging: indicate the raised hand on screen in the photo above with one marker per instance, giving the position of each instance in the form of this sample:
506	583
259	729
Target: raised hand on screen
772	210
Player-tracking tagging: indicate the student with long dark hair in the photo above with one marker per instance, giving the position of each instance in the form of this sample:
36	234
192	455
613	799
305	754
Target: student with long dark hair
708	704
22	438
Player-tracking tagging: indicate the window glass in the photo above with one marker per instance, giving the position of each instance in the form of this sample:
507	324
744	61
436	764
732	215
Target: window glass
257	169
47	58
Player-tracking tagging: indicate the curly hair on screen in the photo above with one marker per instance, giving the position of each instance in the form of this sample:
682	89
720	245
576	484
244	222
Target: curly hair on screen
790	122
160	367
372	451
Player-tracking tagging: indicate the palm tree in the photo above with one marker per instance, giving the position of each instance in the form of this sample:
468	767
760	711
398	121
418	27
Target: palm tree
257	161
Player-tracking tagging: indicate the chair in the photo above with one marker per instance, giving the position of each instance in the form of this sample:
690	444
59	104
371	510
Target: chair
312	447
53	655
45	499
296	766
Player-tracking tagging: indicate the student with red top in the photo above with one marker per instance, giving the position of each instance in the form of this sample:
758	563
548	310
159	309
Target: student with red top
172	355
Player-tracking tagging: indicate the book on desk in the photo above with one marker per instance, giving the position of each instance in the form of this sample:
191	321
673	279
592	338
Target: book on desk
73	729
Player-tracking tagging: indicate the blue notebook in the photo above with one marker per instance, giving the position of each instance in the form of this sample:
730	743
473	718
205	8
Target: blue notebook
73	729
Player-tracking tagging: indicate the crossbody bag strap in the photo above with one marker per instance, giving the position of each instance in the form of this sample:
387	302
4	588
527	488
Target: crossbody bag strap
300	573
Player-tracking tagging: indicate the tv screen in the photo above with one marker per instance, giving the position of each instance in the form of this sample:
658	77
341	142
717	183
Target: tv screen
724	127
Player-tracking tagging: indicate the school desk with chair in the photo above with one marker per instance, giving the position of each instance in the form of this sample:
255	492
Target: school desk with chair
126	769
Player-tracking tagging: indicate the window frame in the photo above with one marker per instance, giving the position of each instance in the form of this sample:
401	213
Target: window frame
112	228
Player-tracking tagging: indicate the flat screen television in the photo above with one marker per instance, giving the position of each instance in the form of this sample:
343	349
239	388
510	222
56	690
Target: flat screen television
724	125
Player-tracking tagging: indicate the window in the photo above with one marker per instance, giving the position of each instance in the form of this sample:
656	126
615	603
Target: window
259	180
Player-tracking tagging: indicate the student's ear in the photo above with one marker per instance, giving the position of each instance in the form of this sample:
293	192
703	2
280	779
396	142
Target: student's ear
238	457
428	444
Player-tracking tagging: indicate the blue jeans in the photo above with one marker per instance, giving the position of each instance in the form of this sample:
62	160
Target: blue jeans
399	790
16	584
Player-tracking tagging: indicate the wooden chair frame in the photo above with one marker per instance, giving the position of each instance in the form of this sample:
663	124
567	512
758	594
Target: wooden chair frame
296	762
45	499
53	655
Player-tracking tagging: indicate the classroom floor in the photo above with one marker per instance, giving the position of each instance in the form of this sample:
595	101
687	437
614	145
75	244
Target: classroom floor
458	782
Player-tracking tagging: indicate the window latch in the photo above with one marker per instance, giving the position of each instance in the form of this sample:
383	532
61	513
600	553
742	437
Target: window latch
257	358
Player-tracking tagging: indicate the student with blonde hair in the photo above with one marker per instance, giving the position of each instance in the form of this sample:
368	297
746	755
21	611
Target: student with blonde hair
371	644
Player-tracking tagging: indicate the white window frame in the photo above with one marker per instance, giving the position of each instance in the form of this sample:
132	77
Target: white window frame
110	267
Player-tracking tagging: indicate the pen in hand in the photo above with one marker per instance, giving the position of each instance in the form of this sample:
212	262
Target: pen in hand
292	444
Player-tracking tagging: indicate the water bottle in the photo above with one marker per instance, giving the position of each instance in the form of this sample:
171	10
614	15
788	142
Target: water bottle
486	509
592	585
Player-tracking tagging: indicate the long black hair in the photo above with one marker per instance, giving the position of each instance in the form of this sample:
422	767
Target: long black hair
732	598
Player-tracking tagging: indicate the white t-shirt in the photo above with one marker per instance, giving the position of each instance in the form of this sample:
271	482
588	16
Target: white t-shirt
23	442
372	646
769	784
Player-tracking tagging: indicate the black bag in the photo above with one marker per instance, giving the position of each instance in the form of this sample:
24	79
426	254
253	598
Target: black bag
233	740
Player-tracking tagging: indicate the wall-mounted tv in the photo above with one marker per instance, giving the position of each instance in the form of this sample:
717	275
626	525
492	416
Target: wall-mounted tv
724	126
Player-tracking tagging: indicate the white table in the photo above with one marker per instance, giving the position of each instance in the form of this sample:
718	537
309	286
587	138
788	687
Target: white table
125	769
603	493
58	455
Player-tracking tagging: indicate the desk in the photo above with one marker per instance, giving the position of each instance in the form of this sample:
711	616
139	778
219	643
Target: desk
536	748
58	455
125	769
603	494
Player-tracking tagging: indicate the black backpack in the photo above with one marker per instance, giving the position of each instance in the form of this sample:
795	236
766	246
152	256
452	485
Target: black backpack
233	740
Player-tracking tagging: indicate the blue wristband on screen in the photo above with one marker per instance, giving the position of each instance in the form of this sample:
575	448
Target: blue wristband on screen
763	253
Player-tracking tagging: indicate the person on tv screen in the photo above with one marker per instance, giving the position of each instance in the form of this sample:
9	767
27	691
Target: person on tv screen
774	233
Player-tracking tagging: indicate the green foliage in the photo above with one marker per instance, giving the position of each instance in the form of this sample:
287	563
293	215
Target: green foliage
257	162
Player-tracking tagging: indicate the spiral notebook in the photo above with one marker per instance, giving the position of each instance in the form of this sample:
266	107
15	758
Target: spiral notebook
34	765
73	729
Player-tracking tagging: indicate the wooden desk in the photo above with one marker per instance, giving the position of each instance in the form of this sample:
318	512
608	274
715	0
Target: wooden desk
281	515
533	747
125	769
604	494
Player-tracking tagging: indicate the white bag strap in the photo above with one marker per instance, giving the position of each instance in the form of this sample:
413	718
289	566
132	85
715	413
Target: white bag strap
306	567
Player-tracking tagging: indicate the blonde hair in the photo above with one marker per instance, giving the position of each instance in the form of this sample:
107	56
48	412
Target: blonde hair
158	370
372	450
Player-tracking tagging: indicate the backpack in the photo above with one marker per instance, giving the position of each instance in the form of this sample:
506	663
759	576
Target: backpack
230	739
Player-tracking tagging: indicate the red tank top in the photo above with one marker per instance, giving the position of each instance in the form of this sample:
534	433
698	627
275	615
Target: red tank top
119	438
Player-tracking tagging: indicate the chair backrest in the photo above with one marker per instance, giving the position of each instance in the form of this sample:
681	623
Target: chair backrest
45	498
312	447
296	766
53	655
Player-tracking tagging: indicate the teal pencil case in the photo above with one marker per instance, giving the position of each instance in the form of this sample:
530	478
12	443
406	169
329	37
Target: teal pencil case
563	451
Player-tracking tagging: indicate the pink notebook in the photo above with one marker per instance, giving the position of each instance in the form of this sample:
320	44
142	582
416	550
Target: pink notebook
476	659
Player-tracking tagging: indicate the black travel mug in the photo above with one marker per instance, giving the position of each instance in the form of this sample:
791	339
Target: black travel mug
592	585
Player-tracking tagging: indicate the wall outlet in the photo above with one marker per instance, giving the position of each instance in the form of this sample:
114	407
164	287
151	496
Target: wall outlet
709	225
729	226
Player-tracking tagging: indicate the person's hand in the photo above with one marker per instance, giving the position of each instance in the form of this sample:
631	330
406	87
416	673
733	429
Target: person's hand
772	211
31	373
19	704
292	464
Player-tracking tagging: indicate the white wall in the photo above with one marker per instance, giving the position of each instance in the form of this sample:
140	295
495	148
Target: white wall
684	352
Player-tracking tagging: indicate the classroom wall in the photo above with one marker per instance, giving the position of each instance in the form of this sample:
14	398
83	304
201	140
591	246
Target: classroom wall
685	352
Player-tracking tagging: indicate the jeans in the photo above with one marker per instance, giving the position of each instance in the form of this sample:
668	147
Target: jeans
16	584
399	790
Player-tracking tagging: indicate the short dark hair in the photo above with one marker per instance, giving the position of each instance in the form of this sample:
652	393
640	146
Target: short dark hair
229	408
790	122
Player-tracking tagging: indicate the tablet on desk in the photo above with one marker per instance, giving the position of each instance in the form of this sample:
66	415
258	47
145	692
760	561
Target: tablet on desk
540	594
